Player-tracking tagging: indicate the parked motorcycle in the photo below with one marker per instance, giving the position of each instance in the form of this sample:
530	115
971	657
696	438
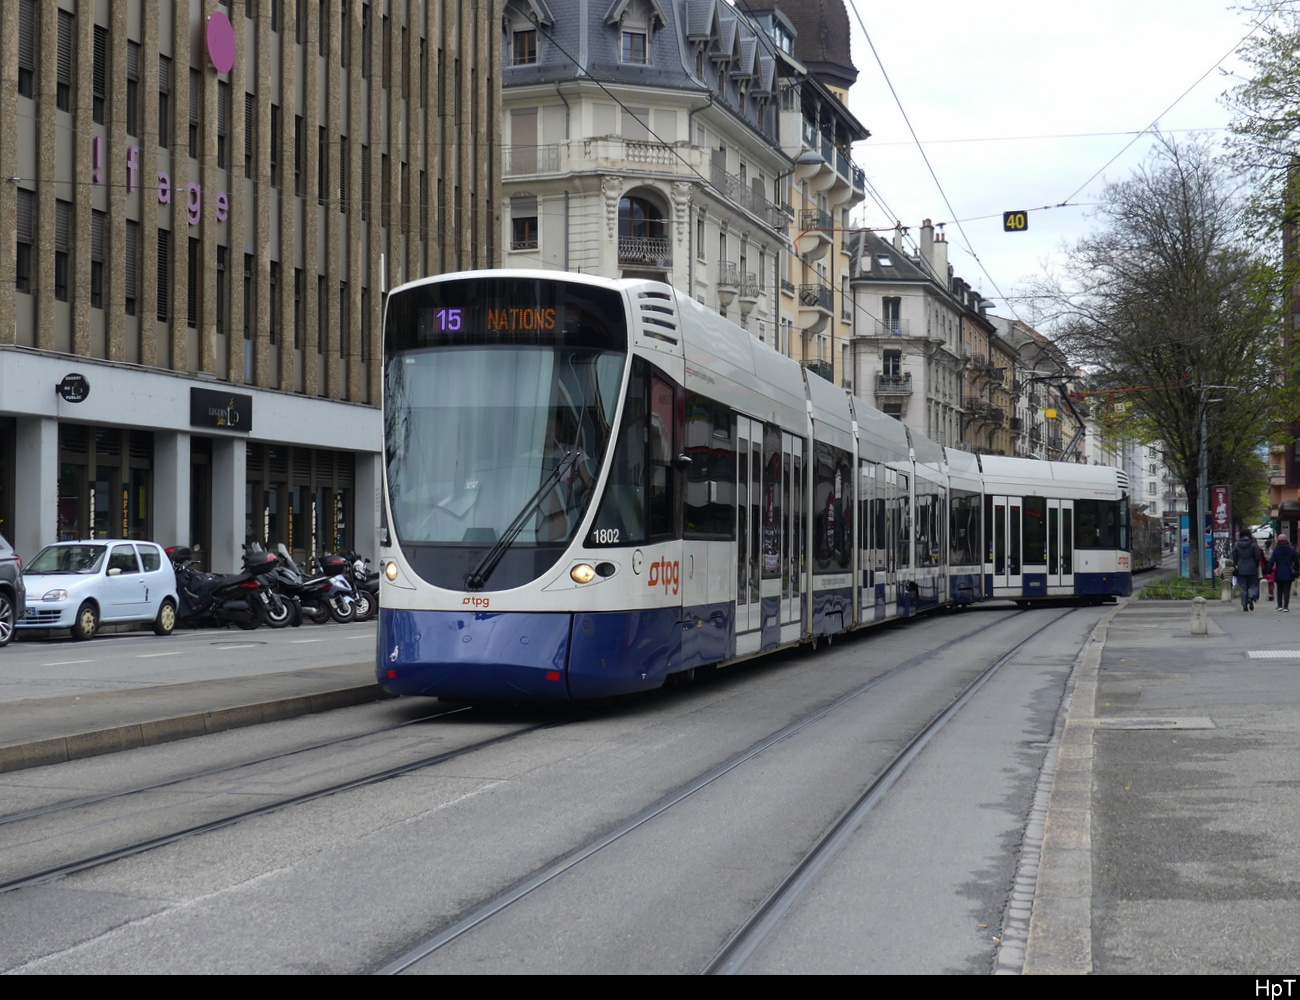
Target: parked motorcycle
322	596
216	599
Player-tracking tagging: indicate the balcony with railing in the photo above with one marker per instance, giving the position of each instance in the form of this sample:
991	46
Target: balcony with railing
893	385
815	233
645	251
524	161
748	292
728	282
815	304
823	368
737	191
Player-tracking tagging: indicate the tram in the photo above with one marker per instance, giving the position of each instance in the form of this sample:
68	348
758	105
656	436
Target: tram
594	484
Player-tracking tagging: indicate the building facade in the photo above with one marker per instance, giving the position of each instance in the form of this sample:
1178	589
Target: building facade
209	203
672	139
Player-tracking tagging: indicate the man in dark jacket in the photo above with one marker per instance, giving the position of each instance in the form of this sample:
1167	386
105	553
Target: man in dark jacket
1283	564
1247	559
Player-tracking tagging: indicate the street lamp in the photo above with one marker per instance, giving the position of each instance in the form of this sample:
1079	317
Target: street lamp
1202	479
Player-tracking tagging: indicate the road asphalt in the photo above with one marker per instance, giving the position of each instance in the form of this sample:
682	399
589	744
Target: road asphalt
1168	842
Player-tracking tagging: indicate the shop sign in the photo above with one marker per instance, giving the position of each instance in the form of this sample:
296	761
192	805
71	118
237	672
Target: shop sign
230	411
74	388
133	168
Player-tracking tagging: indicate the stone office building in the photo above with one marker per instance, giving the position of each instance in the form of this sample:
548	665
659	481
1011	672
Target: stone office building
208	202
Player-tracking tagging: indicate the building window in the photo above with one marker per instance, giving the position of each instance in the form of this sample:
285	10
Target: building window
365	41
365	183
365	325
26	237
223	125
133	111
892	364
322	312
299	155
164	102
250	120
196	83
192	289
299	307
275	301
523	223
248	298
164	275
275	145
97	220
63	80
323	28
322	165
62	248
132	276
99	78
223	292
890	308
634	47
26	48
345	173
524	51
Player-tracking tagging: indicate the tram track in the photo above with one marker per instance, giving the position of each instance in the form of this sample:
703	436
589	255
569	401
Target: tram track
143	844
751	932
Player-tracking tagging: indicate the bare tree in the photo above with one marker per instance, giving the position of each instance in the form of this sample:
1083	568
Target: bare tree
1166	303
1265	134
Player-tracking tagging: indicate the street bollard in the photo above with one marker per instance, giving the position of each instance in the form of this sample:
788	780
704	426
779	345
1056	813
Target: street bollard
1200	617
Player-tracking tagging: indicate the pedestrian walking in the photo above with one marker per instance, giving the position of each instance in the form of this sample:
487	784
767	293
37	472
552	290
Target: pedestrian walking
1247	561
1284	564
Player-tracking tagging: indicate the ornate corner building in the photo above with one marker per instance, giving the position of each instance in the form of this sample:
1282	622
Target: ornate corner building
685	141
209	203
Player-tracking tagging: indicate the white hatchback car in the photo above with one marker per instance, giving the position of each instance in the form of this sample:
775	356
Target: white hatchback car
81	585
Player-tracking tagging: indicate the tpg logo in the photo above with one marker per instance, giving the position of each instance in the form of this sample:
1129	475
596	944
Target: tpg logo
665	573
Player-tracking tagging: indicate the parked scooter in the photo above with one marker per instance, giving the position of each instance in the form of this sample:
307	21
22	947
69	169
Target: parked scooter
214	599
321	597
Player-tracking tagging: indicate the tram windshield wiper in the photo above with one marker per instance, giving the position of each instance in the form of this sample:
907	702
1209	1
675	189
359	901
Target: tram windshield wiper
476	579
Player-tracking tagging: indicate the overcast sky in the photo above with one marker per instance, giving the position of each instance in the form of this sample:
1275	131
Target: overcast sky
1003	69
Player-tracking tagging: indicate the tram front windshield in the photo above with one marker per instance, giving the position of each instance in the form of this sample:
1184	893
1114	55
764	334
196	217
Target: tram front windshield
500	396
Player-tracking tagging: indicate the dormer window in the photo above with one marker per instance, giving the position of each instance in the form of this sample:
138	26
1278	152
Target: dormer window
635	21
635	49
524	51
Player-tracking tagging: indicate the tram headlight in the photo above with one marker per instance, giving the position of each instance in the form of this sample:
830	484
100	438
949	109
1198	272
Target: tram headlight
582	573
390	571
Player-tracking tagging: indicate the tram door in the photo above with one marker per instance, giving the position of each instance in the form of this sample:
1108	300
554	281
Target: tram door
792	542
1004	522
1060	543
749	470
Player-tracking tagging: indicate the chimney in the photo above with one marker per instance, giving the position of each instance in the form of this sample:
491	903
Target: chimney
940	255
927	245
898	236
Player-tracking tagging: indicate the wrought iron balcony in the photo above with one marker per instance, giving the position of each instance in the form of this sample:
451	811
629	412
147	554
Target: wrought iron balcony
646	251
893	385
816	296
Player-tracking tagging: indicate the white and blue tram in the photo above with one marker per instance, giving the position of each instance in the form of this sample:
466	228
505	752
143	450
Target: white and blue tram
593	484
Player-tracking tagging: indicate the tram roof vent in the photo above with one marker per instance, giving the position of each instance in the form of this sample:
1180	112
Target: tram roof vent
658	314
1121	479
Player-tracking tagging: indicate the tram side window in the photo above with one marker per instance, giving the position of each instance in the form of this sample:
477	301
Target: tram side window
1035	530
832	508
640	497
965	533
711	476
1097	524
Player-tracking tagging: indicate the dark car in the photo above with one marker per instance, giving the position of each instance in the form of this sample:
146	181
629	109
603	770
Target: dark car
13	595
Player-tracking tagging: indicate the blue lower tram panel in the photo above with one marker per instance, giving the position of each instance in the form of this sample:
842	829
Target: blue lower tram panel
533	655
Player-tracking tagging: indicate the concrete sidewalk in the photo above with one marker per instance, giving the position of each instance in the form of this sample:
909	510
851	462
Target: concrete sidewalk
1172	842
